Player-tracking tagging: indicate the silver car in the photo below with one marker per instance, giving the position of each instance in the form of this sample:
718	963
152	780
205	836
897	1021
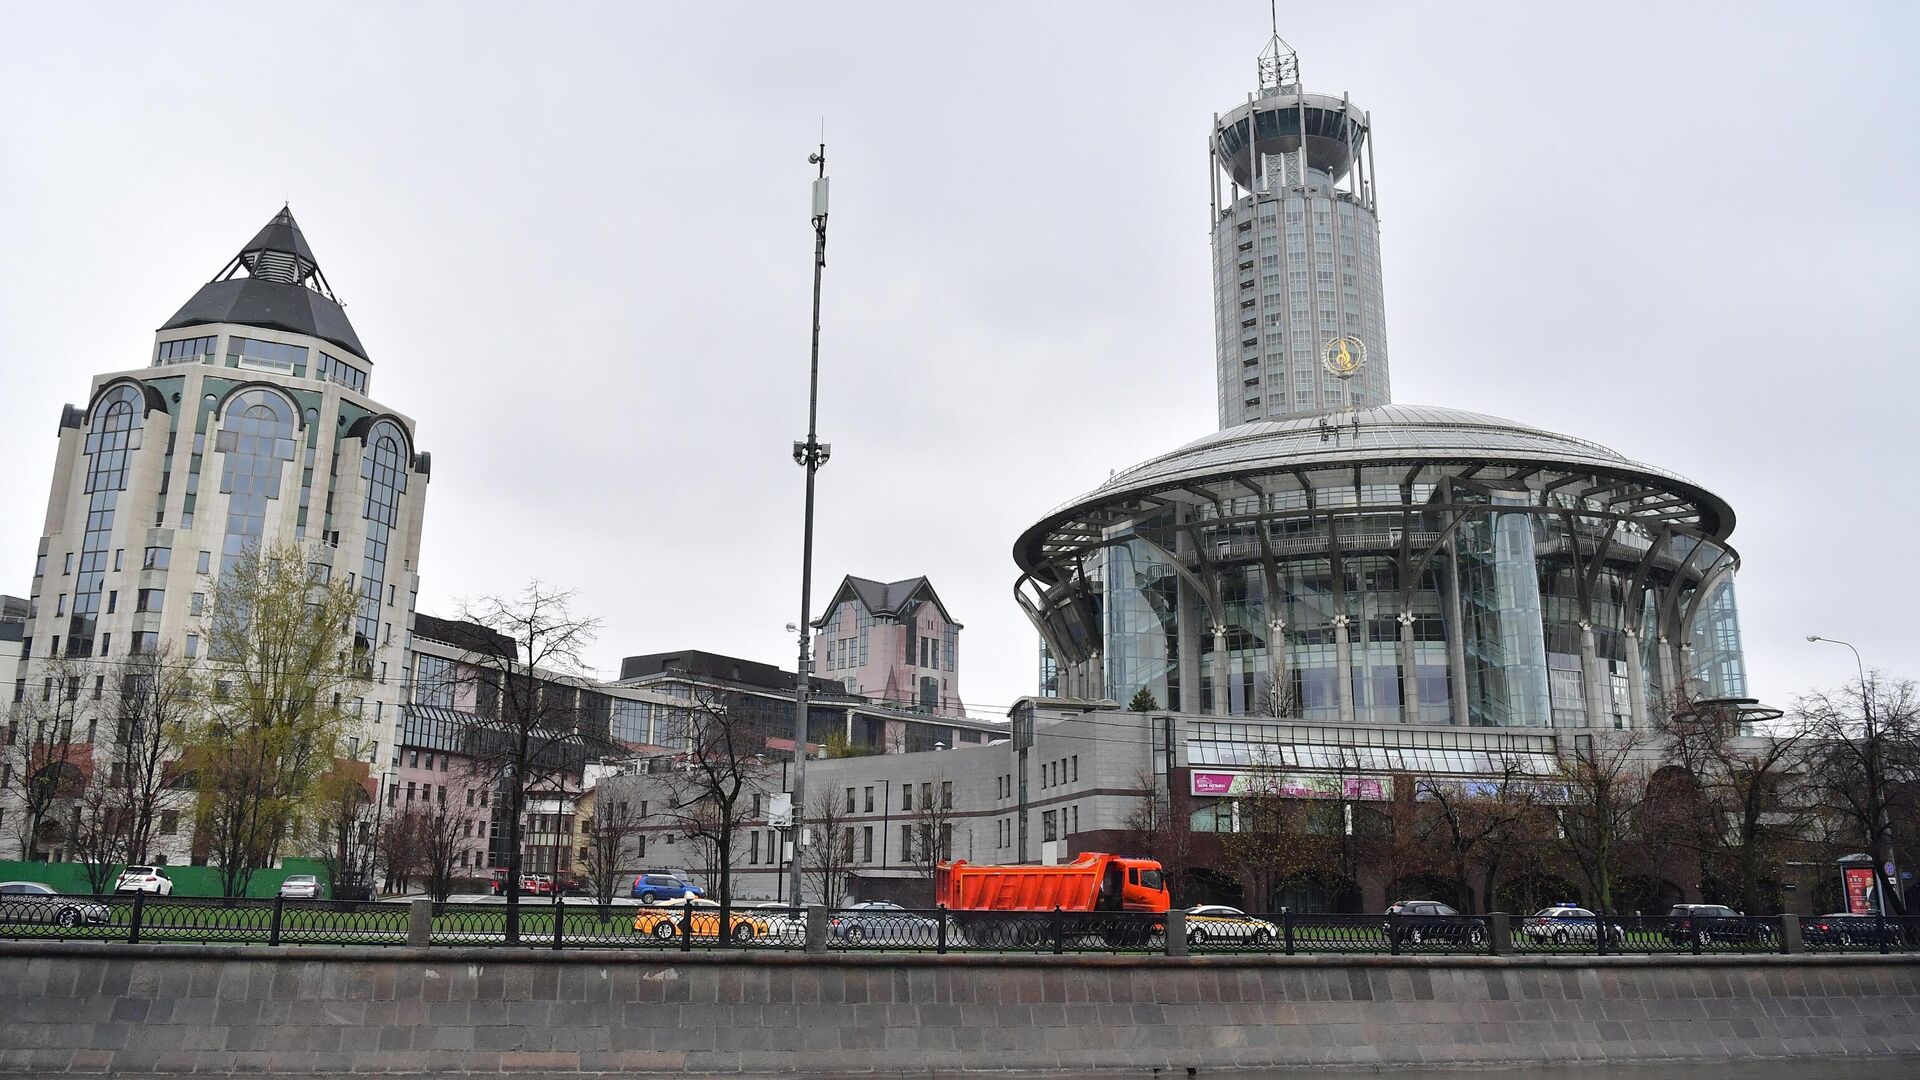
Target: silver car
33	902
300	887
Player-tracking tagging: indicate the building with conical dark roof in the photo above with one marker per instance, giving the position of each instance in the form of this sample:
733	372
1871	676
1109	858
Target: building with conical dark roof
249	425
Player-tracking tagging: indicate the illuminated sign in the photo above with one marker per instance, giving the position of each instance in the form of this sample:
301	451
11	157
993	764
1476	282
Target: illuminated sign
1859	883
1291	786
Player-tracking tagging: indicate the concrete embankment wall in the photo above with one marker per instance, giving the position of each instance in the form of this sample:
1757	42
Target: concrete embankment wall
212	1009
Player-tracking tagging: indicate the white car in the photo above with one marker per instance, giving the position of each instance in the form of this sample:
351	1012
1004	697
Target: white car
146	879
785	923
1564	924
300	887
1211	921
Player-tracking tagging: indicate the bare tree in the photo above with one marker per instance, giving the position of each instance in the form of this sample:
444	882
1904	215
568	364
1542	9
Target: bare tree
157	705
1270	838
1604	785
826	861
97	832
608	843
528	730
726	759
1750	800
931	828
1160	832
1864	761
440	830
1279	699
402	842
1471	823
345	824
40	764
283	661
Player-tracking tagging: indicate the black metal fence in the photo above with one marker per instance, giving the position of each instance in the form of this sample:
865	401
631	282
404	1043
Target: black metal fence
139	918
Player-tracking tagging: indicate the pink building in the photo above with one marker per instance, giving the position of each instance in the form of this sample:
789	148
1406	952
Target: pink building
893	642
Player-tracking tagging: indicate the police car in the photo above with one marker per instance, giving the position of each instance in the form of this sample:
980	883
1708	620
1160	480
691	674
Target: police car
1564	924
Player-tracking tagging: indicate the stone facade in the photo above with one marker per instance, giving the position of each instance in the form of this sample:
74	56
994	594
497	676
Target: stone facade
83	1007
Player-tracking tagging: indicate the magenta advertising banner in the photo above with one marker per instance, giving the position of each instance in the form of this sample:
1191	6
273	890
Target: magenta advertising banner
1291	785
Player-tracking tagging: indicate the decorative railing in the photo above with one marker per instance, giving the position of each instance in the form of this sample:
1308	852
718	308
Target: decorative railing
147	919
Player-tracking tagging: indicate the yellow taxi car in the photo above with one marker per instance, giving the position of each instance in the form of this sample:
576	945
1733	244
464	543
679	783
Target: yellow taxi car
662	920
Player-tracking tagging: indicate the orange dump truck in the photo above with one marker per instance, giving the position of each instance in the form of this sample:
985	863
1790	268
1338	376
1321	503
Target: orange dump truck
1113	896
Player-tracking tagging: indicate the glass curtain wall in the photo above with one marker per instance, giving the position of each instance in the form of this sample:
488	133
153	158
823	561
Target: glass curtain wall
1143	628
255	440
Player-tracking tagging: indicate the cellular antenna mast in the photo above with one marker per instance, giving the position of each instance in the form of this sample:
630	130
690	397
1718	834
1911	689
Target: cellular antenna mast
809	455
1279	64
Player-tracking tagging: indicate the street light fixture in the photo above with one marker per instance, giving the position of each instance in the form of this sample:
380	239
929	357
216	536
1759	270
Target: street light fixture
1881	826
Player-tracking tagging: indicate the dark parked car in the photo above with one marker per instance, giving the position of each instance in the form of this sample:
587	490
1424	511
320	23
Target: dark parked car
1844	928
1423	922
1714	924
351	887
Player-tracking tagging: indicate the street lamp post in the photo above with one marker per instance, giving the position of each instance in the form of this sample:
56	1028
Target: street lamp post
809	455
1882	841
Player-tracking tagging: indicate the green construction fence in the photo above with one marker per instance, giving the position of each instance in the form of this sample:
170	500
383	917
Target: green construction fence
71	877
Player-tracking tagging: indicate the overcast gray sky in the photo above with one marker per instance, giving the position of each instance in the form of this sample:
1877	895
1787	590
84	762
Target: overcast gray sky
575	240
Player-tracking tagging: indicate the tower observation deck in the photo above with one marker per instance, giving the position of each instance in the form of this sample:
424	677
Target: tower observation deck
1300	326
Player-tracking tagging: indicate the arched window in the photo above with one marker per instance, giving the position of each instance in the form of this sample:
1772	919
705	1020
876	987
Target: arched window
384	468
255	441
113	432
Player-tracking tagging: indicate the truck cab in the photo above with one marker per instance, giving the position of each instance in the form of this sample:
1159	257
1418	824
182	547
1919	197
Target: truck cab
1131	885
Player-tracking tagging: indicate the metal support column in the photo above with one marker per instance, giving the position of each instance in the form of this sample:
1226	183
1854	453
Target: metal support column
1343	665
1636	682
1596	684
1409	671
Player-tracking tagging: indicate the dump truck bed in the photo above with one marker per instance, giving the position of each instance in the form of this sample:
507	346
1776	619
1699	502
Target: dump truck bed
1071	887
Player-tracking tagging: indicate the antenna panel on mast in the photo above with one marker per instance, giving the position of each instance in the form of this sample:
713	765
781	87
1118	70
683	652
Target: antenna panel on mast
1279	64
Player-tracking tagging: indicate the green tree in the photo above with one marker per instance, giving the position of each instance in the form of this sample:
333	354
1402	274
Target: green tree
1144	701
839	746
282	666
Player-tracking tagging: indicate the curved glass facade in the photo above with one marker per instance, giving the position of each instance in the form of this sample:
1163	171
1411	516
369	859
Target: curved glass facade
384	469
113	433
1511	594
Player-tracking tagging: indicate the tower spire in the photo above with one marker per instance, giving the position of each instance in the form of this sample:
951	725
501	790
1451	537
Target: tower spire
1279	64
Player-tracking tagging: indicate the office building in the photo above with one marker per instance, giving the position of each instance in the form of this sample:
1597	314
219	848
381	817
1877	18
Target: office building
247	424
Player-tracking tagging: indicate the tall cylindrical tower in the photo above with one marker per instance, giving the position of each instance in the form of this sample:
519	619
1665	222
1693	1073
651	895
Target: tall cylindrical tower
1300	326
